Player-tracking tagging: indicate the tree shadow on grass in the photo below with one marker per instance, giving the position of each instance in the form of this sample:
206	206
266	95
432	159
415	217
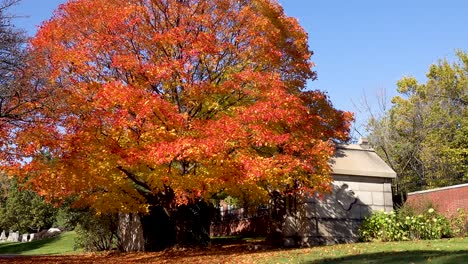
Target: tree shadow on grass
228	246
223	251
248	250
413	256
19	248
220	251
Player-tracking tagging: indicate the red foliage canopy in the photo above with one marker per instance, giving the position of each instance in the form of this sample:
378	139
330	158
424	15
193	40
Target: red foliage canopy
196	96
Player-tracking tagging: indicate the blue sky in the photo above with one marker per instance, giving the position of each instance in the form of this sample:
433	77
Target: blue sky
361	46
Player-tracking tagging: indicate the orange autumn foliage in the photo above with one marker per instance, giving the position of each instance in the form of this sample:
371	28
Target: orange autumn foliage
196	96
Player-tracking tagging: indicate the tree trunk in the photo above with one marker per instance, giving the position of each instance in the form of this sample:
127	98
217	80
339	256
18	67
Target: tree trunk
151	232
188	225
130	233
277	217
193	224
159	230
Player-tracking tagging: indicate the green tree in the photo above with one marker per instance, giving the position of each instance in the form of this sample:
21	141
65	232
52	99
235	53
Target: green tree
424	135
24	210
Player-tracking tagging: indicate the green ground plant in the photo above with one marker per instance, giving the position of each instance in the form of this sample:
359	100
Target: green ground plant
459	223
404	225
96	232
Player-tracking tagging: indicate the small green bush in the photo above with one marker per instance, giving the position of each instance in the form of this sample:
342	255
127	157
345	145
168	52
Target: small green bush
96	232
459	223
68	217
399	226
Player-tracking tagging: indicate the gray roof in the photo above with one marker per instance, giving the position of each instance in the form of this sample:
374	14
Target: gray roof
359	161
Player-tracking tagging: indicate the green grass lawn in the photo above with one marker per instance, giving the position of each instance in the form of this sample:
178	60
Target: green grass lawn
238	250
426	251
61	244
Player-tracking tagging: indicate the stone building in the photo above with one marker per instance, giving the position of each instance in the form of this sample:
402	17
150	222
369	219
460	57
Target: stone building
361	184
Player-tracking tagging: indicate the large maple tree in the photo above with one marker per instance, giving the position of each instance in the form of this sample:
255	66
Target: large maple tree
191	96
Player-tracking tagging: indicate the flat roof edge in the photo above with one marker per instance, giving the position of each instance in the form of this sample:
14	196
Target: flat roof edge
439	189
375	174
354	147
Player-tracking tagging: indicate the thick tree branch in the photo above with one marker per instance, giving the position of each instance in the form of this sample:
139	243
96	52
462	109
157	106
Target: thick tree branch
142	187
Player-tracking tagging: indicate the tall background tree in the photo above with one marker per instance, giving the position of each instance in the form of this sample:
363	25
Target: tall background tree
11	61
21	210
150	106
424	135
19	96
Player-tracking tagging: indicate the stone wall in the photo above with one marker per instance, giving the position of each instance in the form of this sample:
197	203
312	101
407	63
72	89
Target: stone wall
374	192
